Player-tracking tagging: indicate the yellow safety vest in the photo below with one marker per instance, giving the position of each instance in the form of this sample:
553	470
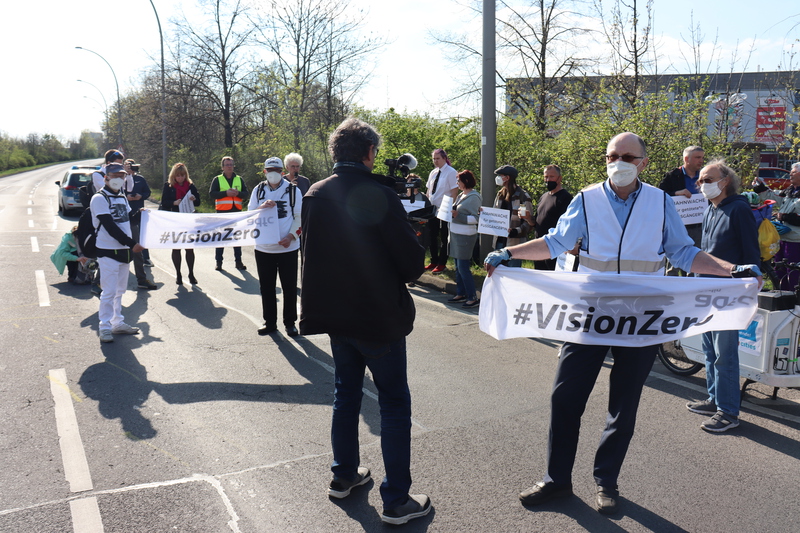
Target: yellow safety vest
227	203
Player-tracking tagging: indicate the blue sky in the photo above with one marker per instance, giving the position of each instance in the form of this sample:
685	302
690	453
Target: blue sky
40	92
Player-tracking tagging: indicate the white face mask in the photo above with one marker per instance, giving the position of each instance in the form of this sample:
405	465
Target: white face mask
115	184
621	173
710	190
274	178
499	180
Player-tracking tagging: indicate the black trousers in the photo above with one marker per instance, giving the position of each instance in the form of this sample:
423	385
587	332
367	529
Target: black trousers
439	234
269	267
578	368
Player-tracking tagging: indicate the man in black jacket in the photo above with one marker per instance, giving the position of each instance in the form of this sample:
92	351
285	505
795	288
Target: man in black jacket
359	252
682	181
137	191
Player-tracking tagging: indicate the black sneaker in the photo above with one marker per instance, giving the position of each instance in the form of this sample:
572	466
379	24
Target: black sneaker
543	492
292	331
720	422
340	488
703	407
606	501
417	505
240	266
219	266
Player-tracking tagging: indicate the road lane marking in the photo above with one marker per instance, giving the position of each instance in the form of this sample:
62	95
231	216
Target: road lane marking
41	288
55	223
76	467
30	223
35	245
30	210
86	516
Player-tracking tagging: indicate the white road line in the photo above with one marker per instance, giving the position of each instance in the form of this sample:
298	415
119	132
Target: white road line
41	289
30	223
30	210
55	223
86	516
35	245
76	467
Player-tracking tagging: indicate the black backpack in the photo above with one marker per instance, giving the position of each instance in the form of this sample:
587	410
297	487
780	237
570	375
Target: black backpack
87	191
86	234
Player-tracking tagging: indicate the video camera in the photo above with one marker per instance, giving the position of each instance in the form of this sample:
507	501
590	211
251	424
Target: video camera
403	164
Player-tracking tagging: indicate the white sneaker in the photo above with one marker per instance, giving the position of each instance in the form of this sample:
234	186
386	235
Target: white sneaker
124	329
106	336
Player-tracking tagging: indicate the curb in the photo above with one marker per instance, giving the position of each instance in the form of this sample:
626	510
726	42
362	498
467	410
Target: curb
432	281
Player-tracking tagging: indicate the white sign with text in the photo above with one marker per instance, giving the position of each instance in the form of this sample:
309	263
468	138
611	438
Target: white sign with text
691	209
494	221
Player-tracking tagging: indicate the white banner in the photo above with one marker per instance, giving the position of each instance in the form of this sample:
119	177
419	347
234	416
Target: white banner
691	209
494	221
167	229
611	309
446	209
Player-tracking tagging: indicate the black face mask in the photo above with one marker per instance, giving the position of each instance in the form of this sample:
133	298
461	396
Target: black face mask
551	185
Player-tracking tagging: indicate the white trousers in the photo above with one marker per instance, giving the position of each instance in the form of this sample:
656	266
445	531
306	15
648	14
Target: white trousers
114	282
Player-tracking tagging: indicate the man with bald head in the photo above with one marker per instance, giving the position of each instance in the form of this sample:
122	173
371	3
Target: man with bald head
625	227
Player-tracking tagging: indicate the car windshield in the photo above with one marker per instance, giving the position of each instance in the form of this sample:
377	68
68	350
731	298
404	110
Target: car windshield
77	180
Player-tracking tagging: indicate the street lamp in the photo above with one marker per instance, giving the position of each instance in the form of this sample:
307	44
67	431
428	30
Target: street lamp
119	102
163	99
101	95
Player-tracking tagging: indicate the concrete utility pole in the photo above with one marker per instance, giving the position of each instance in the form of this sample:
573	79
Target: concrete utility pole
489	119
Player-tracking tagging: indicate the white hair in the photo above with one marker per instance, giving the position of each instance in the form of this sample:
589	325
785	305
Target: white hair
292	157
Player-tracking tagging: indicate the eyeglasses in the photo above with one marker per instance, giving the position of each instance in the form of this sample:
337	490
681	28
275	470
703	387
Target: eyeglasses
628	158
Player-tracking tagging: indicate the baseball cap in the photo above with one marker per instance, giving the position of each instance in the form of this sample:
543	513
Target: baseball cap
114	168
273	162
507	170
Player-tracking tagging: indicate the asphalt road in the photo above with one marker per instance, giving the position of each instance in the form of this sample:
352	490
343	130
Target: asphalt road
200	425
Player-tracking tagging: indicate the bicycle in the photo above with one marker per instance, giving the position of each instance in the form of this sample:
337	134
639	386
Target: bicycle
672	355
769	354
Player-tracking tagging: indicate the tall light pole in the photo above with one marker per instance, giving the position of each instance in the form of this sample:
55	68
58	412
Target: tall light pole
163	99
101	95
488	120
119	102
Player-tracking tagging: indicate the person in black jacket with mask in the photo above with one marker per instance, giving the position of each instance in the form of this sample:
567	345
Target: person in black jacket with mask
363	305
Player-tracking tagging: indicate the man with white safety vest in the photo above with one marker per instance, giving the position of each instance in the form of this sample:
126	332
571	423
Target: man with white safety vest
625	227
229	191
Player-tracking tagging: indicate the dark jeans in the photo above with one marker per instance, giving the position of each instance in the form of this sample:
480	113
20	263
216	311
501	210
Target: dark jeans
578	368
269	267
138	258
439	234
237	254
387	364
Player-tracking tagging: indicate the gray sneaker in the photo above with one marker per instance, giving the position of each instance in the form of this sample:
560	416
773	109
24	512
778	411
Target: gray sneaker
417	505
703	407
124	329
340	488
720	422
106	336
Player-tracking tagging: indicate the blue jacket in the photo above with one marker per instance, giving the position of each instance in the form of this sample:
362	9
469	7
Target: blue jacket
730	232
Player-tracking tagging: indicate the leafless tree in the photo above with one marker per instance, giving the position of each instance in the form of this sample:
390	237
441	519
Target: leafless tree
320	52
216	66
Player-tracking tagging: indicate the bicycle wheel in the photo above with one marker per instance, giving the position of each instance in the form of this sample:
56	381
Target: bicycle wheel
674	358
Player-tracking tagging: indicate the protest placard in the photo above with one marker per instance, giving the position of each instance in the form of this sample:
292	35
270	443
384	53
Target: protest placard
494	221
446	209
691	209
